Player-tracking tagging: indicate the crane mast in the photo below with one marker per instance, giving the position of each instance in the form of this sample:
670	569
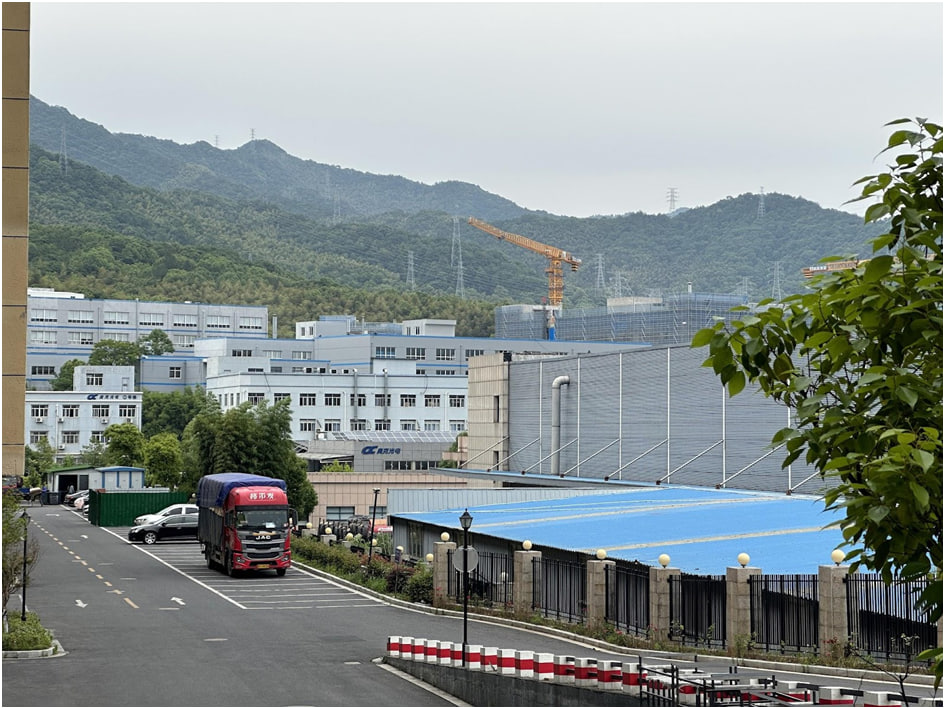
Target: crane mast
556	257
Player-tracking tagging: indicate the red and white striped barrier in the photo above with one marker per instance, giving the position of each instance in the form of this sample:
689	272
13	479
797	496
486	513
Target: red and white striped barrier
632	675
490	659
544	666
506	661
564	669
610	675
457	654
420	649
791	689
393	646
406	648
585	672
524	664
832	696
474	657
880	699
445	653
432	651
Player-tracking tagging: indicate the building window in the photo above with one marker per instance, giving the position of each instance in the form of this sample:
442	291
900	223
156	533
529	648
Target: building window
307	399
358	399
299	354
185	320
381	424
175	372
81	316
151	319
431	425
382	399
94	379
37	436
338	514
408	400
445	354
357	424
42	337
474	353
416	353
332	424
281	396
272	354
218	322
81	338
457	426
407	425
127	411
276	370
396	465
241	353
431	401
251	323
457	400
43	315
100	411
496	410
379	512
444	372
385	353
113	317
308	425
43	370
97	437
70	411
183	342
118	336
256	397
39	410
298	370
71	437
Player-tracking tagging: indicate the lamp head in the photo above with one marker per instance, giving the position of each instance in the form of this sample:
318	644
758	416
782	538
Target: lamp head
429	558
837	556
601	554
664	560
445	536
527	545
743	559
327	530
465	520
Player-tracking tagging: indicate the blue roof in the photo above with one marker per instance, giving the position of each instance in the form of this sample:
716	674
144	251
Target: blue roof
703	530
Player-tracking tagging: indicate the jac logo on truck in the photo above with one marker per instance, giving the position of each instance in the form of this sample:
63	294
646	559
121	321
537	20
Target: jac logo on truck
375	450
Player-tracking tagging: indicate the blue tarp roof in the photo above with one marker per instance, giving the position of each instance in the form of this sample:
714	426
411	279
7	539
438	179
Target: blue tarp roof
703	530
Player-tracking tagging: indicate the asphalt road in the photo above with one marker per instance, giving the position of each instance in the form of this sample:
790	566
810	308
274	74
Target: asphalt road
152	626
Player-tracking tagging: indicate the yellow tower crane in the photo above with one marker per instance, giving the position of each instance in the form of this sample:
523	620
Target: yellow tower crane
555	257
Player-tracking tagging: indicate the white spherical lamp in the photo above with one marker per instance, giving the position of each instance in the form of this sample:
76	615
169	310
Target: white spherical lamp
601	554
837	556
743	559
663	559
445	536
527	545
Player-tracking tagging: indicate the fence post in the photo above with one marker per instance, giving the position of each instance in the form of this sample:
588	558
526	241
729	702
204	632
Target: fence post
738	603
832	591
659	602
441	570
597	590
524	582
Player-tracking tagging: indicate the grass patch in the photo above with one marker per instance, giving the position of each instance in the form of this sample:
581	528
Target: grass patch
26	635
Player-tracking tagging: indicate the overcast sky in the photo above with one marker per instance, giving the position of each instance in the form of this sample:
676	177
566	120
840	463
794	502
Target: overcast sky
575	109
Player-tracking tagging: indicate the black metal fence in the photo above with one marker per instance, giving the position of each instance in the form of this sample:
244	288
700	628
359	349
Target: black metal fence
560	589
785	612
697	610
627	588
490	583
885	622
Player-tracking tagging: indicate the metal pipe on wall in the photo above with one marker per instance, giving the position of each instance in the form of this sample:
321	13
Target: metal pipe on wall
556	421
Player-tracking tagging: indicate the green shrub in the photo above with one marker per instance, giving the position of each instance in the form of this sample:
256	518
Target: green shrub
397	578
26	635
335	557
420	586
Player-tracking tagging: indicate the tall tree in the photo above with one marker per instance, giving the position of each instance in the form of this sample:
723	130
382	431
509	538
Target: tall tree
859	358
125	445
170	412
155	343
163	461
114	353
63	380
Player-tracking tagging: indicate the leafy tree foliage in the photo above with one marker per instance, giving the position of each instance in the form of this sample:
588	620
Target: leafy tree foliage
114	353
859	358
163	461
125	445
14	529
94	455
170	412
63	380
155	343
39	461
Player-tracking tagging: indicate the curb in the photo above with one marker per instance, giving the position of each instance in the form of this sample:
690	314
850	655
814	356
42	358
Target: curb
54	651
787	666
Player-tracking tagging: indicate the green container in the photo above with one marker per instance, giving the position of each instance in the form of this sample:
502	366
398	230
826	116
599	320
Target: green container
118	508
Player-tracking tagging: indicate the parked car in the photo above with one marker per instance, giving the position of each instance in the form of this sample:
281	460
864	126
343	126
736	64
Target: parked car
170	527
177	509
79	500
72	496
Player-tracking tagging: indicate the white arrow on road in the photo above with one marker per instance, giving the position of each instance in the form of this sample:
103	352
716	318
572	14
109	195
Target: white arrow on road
80	604
178	601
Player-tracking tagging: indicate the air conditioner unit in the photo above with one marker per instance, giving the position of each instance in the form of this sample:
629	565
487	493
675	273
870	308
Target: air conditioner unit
105	420
61	447
39	419
129	420
59	419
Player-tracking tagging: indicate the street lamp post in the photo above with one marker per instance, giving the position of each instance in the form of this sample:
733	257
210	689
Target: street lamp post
373	517
23	577
465	521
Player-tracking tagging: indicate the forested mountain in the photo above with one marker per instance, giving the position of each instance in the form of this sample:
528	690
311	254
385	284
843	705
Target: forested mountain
321	222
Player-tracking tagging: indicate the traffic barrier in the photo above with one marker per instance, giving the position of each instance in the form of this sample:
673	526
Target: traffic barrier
406	648
474	657
880	699
419	649
457	654
432	651
393	646
585	672
506	662
490	659
790	688
633	676
833	696
544	666
445	652
564	669
525	664
610	675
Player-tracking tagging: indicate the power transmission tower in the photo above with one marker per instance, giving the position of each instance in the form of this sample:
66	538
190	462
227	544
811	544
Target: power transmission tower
618	285
411	283
216	142
671	195
456	260
761	204
776	293
63	157
743	287
600	273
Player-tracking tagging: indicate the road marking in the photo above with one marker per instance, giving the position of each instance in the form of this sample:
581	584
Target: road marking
178	601
168	609
80	604
130	603
108	583
99	577
215	640
118	591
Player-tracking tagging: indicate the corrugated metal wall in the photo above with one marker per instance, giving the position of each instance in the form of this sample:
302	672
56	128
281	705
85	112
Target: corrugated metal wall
119	509
649	415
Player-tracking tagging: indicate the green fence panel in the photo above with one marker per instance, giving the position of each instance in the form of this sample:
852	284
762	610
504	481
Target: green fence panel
118	508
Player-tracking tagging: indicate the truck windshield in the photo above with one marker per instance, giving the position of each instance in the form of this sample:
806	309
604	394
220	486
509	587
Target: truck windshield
249	519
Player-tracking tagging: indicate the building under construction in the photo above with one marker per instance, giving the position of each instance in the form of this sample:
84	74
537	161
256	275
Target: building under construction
655	320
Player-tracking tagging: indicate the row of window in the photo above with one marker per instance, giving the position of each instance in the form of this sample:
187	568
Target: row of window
81	337
71	411
443	354
430	401
91	378
379	425
66	437
116	317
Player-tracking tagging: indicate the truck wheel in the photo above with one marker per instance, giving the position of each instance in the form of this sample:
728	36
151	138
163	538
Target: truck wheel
228	565
280	572
206	553
150	537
